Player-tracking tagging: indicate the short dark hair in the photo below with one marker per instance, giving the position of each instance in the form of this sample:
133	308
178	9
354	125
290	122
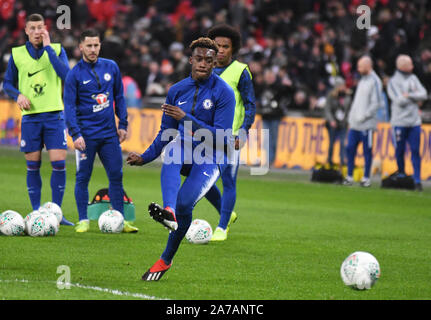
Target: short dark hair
89	33
203	42
224	30
34	17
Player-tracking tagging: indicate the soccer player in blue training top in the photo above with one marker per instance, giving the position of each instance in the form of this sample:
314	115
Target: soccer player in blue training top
197	107
33	79
90	90
405	91
238	76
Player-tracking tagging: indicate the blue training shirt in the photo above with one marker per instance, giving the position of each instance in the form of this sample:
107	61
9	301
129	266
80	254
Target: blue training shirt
89	94
208	104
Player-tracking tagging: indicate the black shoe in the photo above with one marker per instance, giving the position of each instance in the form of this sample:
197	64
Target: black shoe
418	187
164	216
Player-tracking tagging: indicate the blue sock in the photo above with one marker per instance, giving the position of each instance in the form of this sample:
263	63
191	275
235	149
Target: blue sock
58	181
116	195
175	237
228	203
214	197
81	197
34	183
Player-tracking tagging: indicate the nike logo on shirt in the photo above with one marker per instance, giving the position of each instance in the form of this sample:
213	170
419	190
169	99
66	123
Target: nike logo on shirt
181	102
32	74
86	81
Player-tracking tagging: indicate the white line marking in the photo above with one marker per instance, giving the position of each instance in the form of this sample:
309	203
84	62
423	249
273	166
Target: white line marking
81	286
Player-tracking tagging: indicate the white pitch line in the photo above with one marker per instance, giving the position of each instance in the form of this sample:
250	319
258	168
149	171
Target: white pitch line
81	286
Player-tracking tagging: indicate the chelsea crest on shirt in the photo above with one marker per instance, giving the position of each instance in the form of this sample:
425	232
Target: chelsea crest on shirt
207	104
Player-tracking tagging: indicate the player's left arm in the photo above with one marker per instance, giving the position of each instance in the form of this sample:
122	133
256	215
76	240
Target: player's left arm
245	87
60	63
70	97
419	93
120	103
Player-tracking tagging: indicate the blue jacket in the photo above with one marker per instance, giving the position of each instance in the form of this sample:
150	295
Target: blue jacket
208	104
89	94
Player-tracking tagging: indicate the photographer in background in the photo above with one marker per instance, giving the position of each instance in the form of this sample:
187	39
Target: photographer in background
272	106
336	109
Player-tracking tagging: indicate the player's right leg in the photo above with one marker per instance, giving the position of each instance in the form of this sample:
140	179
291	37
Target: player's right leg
31	144
353	138
34	180
55	138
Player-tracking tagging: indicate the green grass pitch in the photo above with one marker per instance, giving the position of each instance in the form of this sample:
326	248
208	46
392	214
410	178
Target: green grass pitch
287	244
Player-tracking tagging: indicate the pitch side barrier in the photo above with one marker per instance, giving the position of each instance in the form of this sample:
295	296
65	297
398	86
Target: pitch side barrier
302	142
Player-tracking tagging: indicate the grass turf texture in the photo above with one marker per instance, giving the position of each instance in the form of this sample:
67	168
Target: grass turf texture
288	243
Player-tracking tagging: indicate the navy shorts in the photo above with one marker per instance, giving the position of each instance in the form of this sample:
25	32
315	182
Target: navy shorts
36	135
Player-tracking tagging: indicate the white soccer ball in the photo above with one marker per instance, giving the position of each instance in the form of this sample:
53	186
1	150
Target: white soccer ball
199	232
40	223
111	221
360	270
51	222
27	220
54	208
36	225
11	223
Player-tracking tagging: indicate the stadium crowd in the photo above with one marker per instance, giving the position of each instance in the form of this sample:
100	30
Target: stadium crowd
296	49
